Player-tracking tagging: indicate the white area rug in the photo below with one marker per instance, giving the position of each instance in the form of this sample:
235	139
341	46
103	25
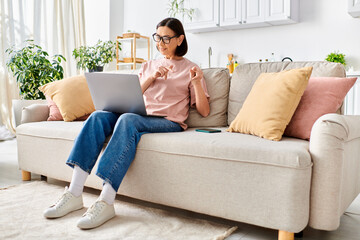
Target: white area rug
21	217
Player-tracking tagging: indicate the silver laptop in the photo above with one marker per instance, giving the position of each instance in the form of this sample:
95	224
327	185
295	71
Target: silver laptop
115	92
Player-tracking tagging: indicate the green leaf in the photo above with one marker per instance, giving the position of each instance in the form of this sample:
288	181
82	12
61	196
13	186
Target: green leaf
31	67
336	57
88	57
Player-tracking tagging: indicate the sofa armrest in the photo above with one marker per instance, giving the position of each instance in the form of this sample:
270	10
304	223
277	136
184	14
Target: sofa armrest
335	152
35	113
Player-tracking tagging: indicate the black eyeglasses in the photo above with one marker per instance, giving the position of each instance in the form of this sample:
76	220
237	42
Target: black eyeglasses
165	39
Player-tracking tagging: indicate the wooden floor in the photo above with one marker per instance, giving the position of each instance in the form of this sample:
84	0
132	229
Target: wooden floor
349	228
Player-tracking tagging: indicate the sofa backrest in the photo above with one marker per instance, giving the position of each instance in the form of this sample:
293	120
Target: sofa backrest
245	75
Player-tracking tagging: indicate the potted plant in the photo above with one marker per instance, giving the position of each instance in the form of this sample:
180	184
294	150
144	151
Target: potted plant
336	57
32	67
176	7
95	57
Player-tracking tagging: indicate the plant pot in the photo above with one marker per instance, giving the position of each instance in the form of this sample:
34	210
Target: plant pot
97	69
18	105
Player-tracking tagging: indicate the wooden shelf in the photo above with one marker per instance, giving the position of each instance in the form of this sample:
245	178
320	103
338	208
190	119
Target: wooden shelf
133	60
125	64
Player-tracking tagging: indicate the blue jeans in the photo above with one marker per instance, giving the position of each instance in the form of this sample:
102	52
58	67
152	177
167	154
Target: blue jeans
126	130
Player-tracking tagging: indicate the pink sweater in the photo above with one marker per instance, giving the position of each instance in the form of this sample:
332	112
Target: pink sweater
171	97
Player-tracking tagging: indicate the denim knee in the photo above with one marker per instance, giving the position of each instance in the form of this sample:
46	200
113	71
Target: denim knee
98	114
128	118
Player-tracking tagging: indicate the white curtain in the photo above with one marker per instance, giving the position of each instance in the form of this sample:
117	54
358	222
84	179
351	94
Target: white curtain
58	26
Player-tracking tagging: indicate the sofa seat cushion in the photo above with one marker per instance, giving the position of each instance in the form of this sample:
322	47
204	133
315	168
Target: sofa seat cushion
289	152
51	129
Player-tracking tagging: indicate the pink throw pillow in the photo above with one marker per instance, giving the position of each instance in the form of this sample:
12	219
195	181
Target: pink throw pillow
55	114
322	95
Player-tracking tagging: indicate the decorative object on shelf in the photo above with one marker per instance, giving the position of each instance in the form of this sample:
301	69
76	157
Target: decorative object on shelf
176	7
131	59
272	59
336	57
95	57
236	64
32	68
230	64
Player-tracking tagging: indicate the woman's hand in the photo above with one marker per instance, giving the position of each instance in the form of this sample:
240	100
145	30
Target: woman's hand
202	104
196	75
162	72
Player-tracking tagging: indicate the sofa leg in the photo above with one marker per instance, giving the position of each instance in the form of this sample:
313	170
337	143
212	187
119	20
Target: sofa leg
283	235
26	176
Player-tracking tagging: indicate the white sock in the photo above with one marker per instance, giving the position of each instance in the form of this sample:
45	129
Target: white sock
108	194
77	182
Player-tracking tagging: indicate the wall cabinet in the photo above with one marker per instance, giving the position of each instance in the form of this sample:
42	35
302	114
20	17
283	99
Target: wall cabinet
253	11
206	17
354	8
280	12
237	14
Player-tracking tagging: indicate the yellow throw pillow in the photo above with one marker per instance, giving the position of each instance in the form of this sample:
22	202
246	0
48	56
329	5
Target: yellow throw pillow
71	95
271	103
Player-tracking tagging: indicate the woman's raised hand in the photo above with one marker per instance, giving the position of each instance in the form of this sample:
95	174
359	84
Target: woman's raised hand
196	75
162	72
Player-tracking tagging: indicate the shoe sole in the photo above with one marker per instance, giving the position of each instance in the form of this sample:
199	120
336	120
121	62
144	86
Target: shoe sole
91	227
65	213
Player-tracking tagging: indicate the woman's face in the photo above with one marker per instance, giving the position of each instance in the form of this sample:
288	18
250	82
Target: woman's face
168	49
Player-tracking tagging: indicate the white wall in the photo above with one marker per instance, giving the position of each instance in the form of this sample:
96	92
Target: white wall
324	26
116	18
103	21
97	20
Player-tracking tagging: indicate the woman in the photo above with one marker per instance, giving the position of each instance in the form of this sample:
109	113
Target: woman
169	85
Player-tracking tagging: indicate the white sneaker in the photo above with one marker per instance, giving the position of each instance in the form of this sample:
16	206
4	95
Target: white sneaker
97	214
67	203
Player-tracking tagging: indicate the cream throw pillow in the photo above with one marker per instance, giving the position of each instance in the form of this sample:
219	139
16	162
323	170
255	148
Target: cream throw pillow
72	97
271	103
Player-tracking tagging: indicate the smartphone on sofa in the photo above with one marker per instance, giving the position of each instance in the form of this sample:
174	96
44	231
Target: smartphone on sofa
208	130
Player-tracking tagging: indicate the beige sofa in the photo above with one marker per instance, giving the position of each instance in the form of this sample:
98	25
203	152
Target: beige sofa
283	185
